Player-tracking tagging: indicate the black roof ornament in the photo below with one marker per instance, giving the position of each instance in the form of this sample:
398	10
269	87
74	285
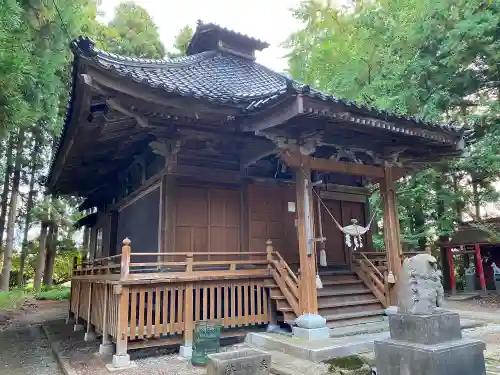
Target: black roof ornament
85	46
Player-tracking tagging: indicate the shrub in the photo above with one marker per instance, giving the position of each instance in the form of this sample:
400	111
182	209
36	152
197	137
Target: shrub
12	299
55	294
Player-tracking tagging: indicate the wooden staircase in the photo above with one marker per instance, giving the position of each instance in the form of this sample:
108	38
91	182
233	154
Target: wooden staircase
344	300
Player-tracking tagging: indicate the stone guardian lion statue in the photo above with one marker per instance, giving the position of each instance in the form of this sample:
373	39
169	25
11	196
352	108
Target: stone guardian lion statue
420	288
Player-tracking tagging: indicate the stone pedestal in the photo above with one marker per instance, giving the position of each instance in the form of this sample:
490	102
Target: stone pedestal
470	283
186	351
311	327
428	345
497	283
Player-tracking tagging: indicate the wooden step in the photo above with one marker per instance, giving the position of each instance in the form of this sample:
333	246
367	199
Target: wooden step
330	292
371	301
270	284
353	315
277	296
336	273
341	282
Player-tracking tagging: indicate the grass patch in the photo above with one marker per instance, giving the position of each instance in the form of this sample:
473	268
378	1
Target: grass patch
57	294
12	299
347	363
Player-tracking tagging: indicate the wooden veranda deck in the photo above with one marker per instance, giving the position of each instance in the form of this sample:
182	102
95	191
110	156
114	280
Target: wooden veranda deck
138	304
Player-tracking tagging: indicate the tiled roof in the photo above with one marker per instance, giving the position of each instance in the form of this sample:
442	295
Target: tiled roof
222	78
218	77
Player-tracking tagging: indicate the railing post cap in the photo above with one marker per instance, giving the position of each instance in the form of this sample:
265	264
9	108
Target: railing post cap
269	242
126	242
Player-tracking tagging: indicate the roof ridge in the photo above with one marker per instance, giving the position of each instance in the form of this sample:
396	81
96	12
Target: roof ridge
85	47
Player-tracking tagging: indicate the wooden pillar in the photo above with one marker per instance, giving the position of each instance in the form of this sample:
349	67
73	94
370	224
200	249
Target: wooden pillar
453	282
89	334
168	214
392	238
186	348
392	235
106	346
480	270
86	240
125	260
122	326
308	301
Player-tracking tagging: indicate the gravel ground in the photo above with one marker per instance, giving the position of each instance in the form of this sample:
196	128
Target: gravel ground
489	303
83	359
24	349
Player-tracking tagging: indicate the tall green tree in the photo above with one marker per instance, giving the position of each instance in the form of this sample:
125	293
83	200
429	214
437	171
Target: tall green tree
132	32
181	42
433	59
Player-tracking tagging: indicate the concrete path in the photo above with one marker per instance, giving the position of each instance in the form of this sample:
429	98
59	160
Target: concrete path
24	349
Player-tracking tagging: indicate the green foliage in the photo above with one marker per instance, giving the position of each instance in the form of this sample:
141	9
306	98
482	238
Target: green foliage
55	294
12	299
63	266
181	42
132	32
433	59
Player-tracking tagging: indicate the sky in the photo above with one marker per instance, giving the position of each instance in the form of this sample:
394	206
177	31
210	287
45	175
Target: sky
268	20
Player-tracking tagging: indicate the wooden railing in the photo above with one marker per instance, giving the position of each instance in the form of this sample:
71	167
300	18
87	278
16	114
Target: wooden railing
373	277
121	267
284	277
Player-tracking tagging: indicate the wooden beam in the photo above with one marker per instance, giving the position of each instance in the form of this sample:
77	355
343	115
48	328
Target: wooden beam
205	174
308	298
254	152
278	116
292	159
141	120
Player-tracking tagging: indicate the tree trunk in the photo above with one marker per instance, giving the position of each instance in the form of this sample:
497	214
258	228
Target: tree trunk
51	256
40	259
5	191
29	208
476	199
11	223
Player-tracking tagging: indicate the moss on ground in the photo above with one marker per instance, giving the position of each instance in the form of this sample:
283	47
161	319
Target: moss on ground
348	365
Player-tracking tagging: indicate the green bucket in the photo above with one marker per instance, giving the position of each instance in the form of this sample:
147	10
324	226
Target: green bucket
206	340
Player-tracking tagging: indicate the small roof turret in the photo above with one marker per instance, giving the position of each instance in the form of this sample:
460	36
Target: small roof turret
212	37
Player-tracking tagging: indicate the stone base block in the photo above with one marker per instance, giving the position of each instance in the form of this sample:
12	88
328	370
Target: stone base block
247	361
89	336
121	362
460	357
310	321
425	329
106	349
311	333
186	351
78	327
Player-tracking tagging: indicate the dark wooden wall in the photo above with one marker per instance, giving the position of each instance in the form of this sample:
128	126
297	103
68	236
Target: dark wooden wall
139	221
207	220
213	219
269	219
